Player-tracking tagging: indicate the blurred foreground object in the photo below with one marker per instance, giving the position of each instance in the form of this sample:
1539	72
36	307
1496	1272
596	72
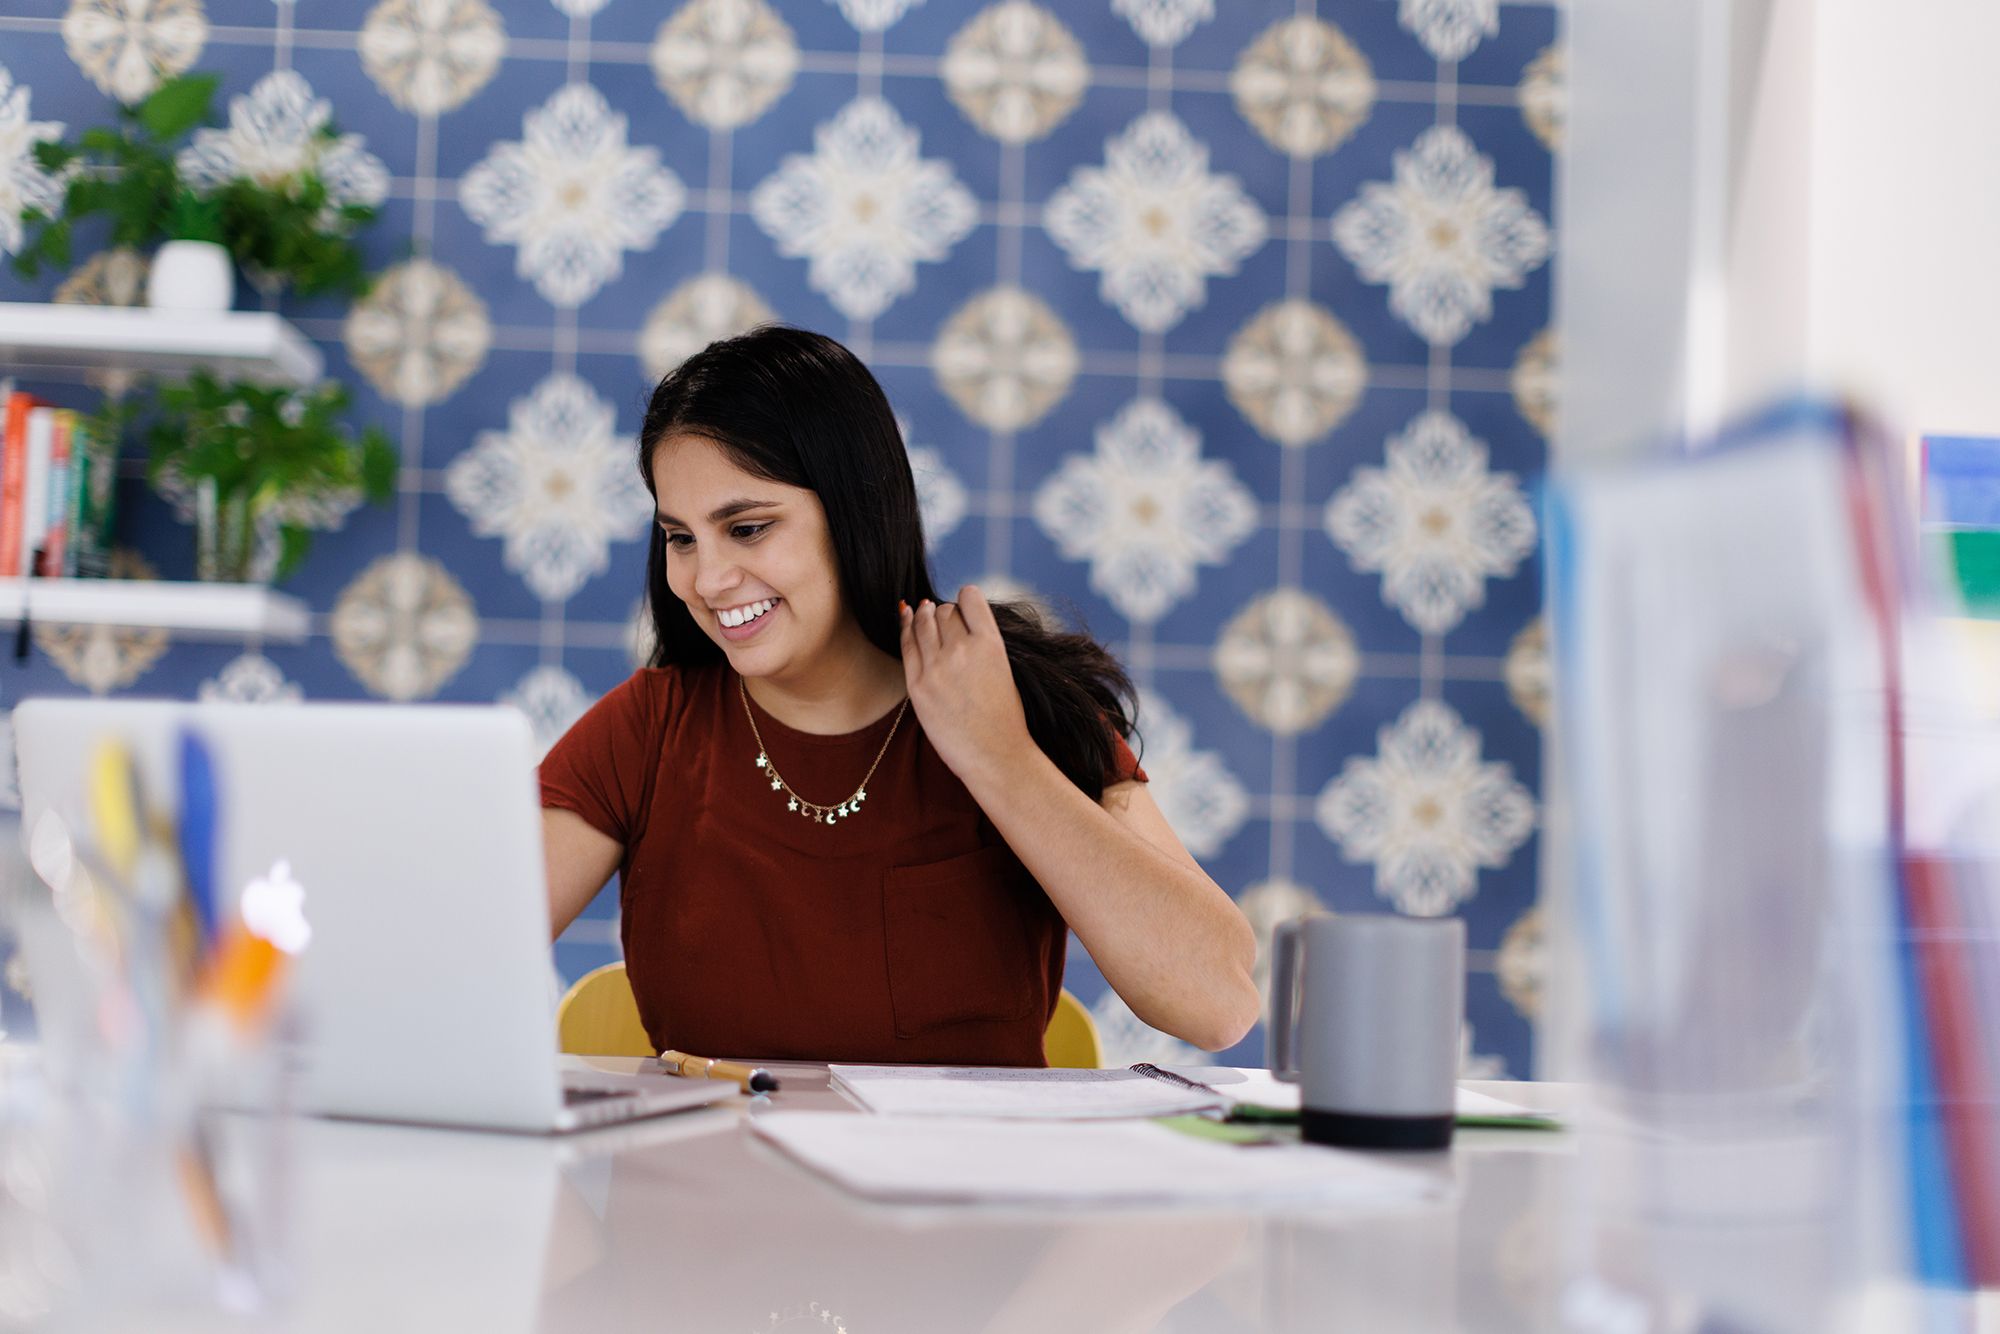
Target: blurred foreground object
1792	1101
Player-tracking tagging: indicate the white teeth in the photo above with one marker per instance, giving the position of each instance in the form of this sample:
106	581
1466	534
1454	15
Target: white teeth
745	615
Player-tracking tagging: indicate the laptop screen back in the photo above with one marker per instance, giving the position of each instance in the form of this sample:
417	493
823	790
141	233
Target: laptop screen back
415	834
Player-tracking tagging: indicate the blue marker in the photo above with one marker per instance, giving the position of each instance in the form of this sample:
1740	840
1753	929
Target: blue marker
197	831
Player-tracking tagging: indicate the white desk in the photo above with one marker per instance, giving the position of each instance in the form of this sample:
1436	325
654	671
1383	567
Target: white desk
688	1223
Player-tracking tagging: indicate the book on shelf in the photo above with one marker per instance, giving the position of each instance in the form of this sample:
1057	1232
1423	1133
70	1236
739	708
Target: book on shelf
58	490
35	487
54	546
93	502
13	479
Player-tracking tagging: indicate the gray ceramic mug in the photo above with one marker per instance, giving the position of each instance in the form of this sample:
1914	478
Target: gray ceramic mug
1365	1017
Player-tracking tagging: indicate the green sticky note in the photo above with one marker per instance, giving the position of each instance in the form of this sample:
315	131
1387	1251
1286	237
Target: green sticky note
1226	1132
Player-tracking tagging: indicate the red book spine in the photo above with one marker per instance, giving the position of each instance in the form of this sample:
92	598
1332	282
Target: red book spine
13	482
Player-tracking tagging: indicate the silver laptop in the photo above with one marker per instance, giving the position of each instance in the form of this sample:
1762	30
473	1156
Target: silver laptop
415	833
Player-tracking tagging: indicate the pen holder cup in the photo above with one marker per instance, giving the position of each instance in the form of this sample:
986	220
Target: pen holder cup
145	1163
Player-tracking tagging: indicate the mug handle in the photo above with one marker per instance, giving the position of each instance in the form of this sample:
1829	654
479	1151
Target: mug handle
1284	975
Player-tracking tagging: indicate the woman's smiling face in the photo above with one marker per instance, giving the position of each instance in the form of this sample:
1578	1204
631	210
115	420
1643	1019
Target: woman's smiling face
752	559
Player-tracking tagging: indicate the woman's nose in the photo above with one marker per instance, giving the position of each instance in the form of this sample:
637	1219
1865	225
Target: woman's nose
714	576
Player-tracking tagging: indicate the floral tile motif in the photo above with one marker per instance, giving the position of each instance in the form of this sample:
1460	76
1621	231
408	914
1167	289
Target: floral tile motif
1164	22
1435	523
640	641
431	56
1441	236
1154	222
108	278
1005	358
941	497
1449	29
418	333
1535	381
1544	97
1126	1039
695	314
1015	71
1202	800
251	678
1528	672
725	62
572	196
874	15
127	47
114	277
1294	371
864	208
404	627
1287	660
1524	964
552	699
1006	588
1145	509
1268	904
558	484
1303	86
1427	811
23	182
104	658
275	135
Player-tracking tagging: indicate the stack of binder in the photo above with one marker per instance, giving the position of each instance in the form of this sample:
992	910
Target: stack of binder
1782	883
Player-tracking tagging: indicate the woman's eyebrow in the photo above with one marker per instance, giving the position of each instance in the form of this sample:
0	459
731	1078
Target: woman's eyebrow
728	511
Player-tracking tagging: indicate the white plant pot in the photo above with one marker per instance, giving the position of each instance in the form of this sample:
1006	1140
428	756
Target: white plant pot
192	276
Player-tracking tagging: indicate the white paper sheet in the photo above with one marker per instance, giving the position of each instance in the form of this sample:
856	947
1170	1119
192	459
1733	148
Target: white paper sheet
1260	1088
1013	1091
1042	1162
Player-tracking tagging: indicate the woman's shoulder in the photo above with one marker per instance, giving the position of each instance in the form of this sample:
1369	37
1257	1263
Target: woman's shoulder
667	692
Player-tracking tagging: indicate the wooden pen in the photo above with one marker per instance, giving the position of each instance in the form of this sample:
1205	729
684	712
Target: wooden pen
752	1079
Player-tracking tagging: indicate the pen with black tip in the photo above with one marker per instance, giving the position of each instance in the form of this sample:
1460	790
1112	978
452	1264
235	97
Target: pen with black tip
752	1079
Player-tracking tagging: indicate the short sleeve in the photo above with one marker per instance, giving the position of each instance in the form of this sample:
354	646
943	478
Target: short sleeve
1124	764
602	768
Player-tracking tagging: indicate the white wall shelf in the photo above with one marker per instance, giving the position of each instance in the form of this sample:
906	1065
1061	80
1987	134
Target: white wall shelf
246	344
189	610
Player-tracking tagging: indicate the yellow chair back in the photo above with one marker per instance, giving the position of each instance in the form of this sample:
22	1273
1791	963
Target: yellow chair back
1071	1042
598	1017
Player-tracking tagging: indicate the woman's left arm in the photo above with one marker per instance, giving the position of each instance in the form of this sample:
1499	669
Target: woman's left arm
1165	936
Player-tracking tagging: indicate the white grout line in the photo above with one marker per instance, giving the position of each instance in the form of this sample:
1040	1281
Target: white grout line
715	234
423	230
1292	500
916	356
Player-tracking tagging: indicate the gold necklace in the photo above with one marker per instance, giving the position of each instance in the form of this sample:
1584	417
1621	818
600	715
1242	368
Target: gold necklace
812	811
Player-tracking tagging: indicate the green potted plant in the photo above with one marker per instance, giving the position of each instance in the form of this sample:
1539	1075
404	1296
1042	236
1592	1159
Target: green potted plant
127	174
257	465
286	229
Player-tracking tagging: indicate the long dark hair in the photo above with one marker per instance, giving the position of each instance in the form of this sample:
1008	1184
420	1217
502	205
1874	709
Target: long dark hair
799	409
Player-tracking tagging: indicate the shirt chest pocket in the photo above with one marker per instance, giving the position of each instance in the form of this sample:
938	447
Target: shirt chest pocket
958	945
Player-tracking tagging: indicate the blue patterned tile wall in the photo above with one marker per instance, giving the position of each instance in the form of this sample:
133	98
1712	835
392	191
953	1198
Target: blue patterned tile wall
1223	327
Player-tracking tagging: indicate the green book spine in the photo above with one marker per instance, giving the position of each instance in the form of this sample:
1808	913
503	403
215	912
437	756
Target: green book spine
74	483
98	478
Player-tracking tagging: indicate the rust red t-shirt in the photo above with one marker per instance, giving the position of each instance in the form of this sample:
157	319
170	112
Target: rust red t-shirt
909	932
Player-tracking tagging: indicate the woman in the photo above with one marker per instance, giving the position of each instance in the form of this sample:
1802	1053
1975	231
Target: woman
854	822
